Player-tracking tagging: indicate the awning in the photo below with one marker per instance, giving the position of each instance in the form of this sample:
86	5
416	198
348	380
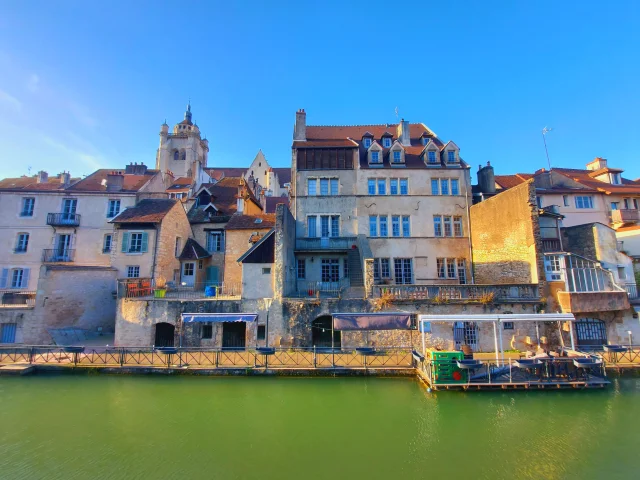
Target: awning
371	321
219	317
505	317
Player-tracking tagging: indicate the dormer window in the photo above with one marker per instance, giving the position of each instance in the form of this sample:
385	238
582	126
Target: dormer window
451	156
431	157
366	142
386	142
375	157
397	156
616	179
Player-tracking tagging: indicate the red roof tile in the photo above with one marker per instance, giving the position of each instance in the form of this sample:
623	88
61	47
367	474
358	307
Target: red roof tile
146	211
25	183
583	177
96	182
510	181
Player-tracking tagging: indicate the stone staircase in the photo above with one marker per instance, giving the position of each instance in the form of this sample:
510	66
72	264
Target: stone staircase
355	268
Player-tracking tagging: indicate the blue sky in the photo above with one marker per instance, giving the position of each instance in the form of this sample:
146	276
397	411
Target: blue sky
85	85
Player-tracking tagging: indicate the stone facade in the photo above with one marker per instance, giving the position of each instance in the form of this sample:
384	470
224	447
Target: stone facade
175	224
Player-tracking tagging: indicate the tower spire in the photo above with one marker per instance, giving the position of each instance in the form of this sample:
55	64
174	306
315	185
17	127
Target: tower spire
187	114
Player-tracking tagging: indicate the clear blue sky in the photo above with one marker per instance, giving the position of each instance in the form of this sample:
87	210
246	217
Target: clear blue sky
87	84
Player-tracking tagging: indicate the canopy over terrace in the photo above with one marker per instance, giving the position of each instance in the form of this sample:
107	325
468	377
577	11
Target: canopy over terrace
495	319
371	321
216	318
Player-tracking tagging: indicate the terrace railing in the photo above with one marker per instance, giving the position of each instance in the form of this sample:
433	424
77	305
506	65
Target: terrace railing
309	289
480	293
328	243
17	299
147	289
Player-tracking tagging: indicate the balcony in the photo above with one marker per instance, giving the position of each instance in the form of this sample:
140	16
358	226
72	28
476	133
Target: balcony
452	293
17	299
57	255
63	219
326	244
625	216
146	289
551	245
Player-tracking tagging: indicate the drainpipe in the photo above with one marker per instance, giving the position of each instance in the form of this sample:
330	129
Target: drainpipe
466	199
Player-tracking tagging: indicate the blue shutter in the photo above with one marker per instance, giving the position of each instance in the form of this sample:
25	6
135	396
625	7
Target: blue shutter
4	278
25	277
8	333
145	241
125	241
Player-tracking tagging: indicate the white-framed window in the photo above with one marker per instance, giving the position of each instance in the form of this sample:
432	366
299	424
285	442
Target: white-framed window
447	267
616	179
397	156
330	269
22	242
311	226
382	186
107	242
28	206
406	226
113	208
432	157
215	241
444	186
584	201
333	186
552	267
393	186
404	186
403	270
301	270
188	269
311	186
451	156
448	226
565	200
178	247
395	225
384	231
462	271
324	186
457	226
14	278
455	188
373	225
381	268
375	157
366	141
134	242
437	225
371	186
133	271
386	142
435	186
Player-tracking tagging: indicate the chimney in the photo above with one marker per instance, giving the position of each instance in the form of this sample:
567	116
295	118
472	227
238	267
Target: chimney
65	178
300	129
403	133
115	181
135	169
43	177
543	179
486	179
597	163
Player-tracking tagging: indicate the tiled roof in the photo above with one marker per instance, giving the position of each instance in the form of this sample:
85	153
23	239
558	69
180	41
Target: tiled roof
193	251
224	194
272	202
218	173
629	228
333	132
146	211
583	177
31	183
510	181
241	222
336	142
185	181
96	182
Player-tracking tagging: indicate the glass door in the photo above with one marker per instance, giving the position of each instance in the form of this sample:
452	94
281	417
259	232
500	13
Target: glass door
69	209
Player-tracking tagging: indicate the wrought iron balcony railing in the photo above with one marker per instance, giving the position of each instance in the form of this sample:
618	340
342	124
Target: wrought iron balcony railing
58	255
63	219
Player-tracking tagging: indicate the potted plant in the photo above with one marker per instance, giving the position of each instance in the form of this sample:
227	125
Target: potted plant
160	290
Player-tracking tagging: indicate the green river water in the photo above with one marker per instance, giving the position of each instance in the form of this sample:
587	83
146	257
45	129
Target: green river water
123	427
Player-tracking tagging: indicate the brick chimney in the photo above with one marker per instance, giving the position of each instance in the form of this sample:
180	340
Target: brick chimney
300	128
135	169
597	163
65	178
42	177
486	179
115	181
403	133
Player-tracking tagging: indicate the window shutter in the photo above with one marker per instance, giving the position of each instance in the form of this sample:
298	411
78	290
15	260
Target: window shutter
125	241
25	278
145	241
4	278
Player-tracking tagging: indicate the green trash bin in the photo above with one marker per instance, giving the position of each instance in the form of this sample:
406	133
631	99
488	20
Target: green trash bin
444	367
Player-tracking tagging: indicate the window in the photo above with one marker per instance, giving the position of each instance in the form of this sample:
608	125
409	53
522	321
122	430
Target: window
207	331
393	186
451	157
404	186
565	200
381	268
311	226
106	243
367	142
455	189
215	241
330	269
395	226
635	203
301	272
188	269
324	226
137	242
615	205
552	267
508	325
584	201
397	156
133	271
200	264
334	186
177	249
262	332
22	242
183	155
440	266
69	206
176	155
383	226
627	203
449	267
435	186
373	226
382	186
431	155
386	142
20	278
444	186
375	157
266	270
457	226
621	273
372	186
616	179
437	225
311	186
324	186
114	208
403	270
539	202
28	204
406	230
462	271
446	220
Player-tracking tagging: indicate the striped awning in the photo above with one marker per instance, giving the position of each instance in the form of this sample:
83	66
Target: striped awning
218	317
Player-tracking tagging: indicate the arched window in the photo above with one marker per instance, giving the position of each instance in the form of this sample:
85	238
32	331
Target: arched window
176	155
183	155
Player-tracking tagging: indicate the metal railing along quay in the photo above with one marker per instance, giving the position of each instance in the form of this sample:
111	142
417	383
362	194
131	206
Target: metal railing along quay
212	358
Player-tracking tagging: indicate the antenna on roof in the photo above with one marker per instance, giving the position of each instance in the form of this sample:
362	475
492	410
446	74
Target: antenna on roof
396	113
546	130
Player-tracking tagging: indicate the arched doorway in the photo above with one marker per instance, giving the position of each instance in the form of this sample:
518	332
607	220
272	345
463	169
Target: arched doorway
321	333
164	334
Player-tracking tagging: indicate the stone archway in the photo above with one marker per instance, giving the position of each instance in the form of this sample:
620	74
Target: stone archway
164	335
321	333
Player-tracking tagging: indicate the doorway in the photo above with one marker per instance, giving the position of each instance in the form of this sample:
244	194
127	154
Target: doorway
188	274
63	248
69	206
321	333
465	333
234	335
164	334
